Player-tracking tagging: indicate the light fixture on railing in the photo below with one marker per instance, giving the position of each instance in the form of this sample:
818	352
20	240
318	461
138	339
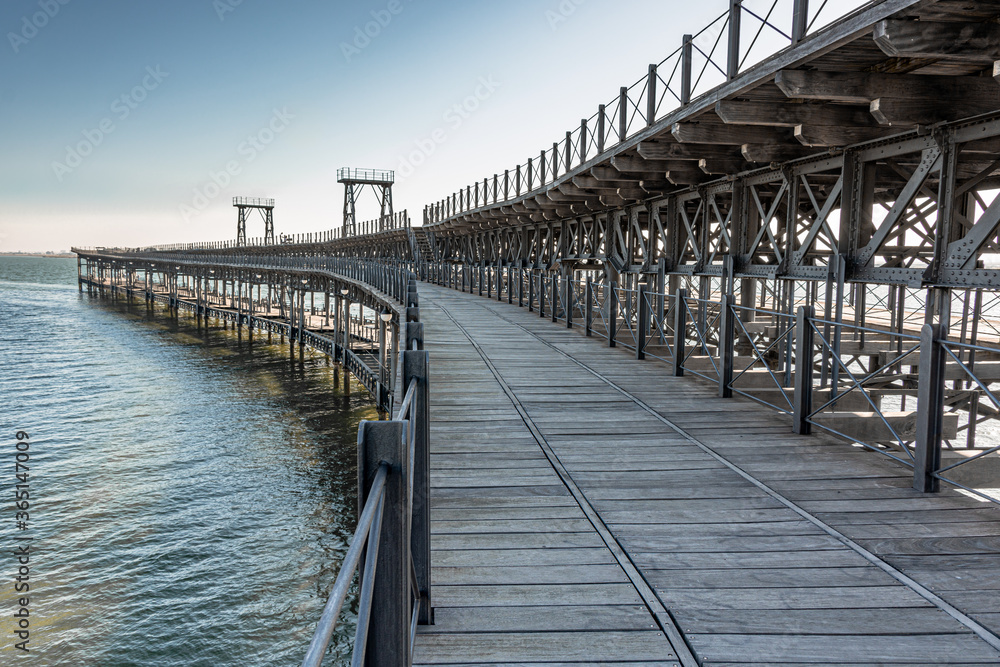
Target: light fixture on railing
345	291
386	316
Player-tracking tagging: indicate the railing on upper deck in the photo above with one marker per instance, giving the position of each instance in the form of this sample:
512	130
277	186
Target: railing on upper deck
735	41
392	542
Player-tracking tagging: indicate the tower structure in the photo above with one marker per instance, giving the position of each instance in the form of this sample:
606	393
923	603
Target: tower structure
266	209
356	181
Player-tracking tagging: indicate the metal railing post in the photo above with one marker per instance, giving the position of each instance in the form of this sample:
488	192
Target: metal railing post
414	333
541	294
686	70
802	398
680	331
588	317
554	300
642	322
569	303
416	366
531	292
612	301
733	60
389	644
727	335
800	20
930	409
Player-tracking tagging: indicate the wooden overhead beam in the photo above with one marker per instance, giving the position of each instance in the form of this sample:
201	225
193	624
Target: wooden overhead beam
630	193
656	185
543	202
723	165
612	201
954	40
863	87
675	151
734	135
568	192
790	114
896	112
690	176
826	136
638	165
768	153
608	174
591	183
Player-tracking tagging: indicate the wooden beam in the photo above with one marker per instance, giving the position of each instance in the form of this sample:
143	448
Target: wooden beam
790	114
608	174
735	135
654	185
638	165
566	193
863	87
818	135
723	165
592	184
631	193
675	151
895	112
953	40
687	176
768	153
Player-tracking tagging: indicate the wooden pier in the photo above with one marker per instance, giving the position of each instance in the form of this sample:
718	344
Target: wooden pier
764	429
589	507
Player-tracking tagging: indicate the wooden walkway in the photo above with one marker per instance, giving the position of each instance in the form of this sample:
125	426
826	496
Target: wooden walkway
590	508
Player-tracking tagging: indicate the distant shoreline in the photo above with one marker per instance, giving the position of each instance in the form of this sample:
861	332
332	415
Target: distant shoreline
62	255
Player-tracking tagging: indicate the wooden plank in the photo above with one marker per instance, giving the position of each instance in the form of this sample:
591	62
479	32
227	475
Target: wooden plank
871	621
857	597
547	618
535	594
607	646
772	577
540	557
529	574
847	648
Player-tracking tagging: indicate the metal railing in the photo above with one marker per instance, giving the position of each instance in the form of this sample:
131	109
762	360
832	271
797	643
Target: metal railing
365	175
253	201
907	397
391	545
367	230
735	41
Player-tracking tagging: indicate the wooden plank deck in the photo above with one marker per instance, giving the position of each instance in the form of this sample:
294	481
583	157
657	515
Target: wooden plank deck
586	506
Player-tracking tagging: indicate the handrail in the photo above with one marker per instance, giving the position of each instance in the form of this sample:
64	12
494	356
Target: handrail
639	106
342	585
397	530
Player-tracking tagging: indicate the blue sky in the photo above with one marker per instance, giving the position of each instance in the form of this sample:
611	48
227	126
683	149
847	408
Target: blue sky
116	114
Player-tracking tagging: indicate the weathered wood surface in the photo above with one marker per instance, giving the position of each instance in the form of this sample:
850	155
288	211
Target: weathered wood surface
555	453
